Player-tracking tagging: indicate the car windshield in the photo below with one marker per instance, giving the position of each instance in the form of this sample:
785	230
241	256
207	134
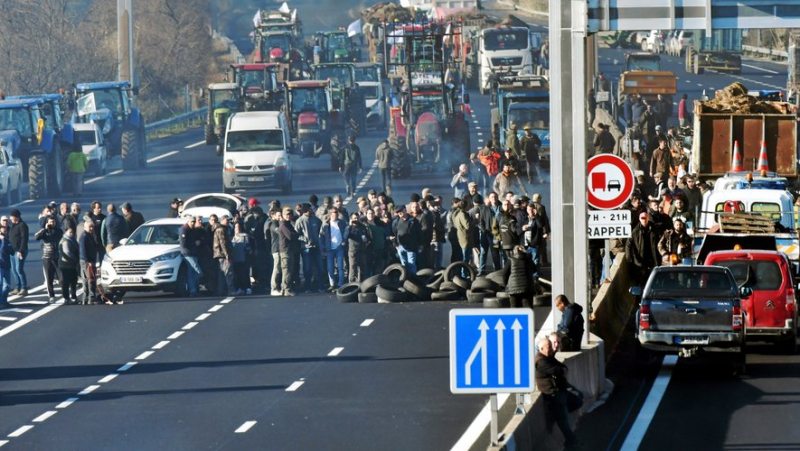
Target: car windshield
155	234
537	118
339	75
505	39
694	282
211	201
87	137
644	64
224	98
757	274
254	78
309	100
370	92
367	74
16	119
252	140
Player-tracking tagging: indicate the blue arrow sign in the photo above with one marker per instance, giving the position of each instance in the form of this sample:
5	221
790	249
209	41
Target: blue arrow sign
491	350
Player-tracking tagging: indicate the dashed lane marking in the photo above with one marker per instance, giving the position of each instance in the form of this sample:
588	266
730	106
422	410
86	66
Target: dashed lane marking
88	390
189	325
363	182
367	322
295	385
168	154
245	427
28	319
202	317
43	417
21	431
66	403
176	335
108	378
226	300
215	308
126	367
145	355
7	318
335	352
160	344
197	144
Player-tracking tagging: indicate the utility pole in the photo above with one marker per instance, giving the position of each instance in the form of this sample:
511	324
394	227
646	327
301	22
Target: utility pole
125	40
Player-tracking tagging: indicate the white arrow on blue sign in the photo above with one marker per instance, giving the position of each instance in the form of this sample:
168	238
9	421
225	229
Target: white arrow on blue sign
491	350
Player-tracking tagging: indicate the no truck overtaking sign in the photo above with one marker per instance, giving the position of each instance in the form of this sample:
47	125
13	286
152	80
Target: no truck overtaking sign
610	181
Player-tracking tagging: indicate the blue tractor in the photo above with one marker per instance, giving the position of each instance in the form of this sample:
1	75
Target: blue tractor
122	124
40	148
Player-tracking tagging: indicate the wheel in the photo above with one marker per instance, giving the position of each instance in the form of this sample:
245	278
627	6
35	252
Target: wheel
696	65
348	293
55	171
417	289
450	272
211	138
37	177
182	282
446	295
497	277
370	283
337	142
396	272
129	148
391	293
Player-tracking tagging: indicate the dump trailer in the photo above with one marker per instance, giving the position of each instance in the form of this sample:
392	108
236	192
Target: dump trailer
720	51
644	76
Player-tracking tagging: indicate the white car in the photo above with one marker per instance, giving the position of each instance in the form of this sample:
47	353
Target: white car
376	103
94	147
149	260
10	168
655	42
680	42
204	205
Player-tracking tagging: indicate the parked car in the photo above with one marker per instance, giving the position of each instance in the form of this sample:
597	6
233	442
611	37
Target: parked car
94	146
204	205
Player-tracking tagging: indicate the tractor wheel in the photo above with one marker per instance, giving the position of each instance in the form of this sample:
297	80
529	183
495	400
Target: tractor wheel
142	148
129	148
357	112
211	138
37	177
470	76
338	141
55	171
697	69
401	161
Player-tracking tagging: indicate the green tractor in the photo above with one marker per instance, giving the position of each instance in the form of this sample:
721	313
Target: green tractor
347	97
335	47
222	100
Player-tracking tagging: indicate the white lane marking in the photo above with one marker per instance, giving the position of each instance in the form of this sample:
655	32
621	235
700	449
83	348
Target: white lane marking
88	390
168	154
66	403
7	318
648	411
97	179
245	427
29	302
43	417
22	203
479	424
226	300
108	378
3	443
367	322
215	308
480	134
760	68
16	310
21	430
126	367
160	344
176	335
202	317
364	181
28	319
335	352
480	140
295	385
197	144
189	325
767	76
145	355
688	81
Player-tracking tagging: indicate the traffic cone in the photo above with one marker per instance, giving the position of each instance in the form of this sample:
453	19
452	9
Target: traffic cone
763	163
738	164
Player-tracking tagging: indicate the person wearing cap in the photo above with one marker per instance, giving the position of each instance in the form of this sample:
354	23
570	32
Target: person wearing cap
406	236
114	229
641	250
603	142
351	164
223	253
530	145
18	238
133	218
480	178
384	156
460	181
50	236
309	226
512	140
675	241
289	249
508	181
174	208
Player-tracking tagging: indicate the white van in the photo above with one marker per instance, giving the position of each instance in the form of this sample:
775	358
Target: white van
256	154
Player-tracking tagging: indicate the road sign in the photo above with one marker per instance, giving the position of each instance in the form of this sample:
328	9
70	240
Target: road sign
491	350
609	224
610	181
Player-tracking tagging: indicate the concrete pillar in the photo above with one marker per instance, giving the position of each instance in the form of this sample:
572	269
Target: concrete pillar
125	40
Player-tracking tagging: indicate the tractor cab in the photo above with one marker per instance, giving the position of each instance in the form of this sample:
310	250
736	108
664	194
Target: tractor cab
308	109
255	79
24	116
273	46
53	109
368	72
223	100
336	46
342	77
114	96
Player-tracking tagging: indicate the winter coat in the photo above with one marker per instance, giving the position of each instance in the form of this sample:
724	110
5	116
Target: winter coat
309	228
464	228
242	245
88	248
114	229
490	160
134	220
69	254
408	233
223	249
289	239
50	239
325	236
572	324
669	244
509	231
504	183
18	236
520	279
6	251
384	156
642	248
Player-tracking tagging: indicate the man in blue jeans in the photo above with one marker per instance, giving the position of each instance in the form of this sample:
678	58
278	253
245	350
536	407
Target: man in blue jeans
332	243
407	235
189	241
18	237
6	252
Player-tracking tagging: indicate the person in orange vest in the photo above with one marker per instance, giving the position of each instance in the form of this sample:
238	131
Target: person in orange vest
490	158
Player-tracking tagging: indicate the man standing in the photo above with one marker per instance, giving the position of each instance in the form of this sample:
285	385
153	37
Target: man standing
223	252
88	249
68	261
591	106
641	251
551	381
351	165
508	181
70	221
570	329
133	218
384	156
460	181
464	229
662	159
309	227
478	174
114	228
174	208
604	142
6	254
190	242
647	123
77	163
490	159
18	237
358	239
289	248
50	236
406	234
97	217
683	112
332	244
530	149
512	140
254	225
272	227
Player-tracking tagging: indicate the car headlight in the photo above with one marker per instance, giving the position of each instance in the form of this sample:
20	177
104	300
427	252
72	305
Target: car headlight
168	256
230	166
281	163
107	259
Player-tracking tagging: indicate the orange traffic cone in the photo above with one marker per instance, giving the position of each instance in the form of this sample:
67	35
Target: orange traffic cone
737	165
763	163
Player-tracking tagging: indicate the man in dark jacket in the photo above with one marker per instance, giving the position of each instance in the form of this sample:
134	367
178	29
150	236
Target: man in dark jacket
133	218
254	225
384	156
174	208
647	123
70	220
6	254
114	229
289	249
68	262
223	253
50	236
530	145
88	248
570	329
351	164
604	141
641	251
551	381
309	226
425	218
406	234
18	237
190	240
358	239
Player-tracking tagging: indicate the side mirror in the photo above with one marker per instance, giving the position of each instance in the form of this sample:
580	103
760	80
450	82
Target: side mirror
123	241
745	292
635	291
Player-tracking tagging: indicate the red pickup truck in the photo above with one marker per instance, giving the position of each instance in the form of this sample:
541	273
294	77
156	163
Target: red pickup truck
771	311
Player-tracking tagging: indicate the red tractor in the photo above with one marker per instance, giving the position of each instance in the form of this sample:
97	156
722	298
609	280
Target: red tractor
314	123
259	86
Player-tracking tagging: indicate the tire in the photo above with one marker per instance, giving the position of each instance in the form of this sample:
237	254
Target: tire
358	113
422	292
436	283
182	282
497	277
477	297
211	138
129	149
459	140
391	293
367	298
37	177
485	284
446	295
142	149
336	152
348	293
449	273
370	283
55	171
451	286
426	272
219	149
461	282
491	302
542	300
400	270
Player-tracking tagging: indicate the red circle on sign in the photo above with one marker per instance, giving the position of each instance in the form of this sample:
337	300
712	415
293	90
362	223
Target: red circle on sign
610	181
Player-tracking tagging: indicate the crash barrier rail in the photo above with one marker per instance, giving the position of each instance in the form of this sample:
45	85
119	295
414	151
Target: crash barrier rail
179	120
771	53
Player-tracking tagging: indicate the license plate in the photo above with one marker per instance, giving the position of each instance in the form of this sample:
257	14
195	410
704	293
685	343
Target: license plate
255	179
130	279
691	340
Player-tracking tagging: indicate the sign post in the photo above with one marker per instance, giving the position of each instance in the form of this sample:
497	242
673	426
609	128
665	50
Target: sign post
491	351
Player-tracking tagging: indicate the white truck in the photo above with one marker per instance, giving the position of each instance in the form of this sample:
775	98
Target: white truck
505	49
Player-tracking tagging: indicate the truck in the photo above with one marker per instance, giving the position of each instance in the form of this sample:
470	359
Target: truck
720	51
222	100
524	100
504	49
643	76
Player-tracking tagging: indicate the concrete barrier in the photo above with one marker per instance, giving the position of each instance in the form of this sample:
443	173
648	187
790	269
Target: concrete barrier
612	306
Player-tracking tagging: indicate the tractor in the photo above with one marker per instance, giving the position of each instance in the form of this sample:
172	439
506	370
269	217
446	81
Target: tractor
335	47
39	150
347	97
110	105
313	121
222	100
258	86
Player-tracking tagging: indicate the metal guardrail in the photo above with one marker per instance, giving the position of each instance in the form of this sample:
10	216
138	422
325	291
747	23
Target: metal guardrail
177	120
766	52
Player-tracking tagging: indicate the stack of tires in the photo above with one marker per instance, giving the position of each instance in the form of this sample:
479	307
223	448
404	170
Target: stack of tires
457	282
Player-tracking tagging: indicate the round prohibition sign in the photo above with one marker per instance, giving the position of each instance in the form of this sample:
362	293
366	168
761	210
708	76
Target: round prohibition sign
610	181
